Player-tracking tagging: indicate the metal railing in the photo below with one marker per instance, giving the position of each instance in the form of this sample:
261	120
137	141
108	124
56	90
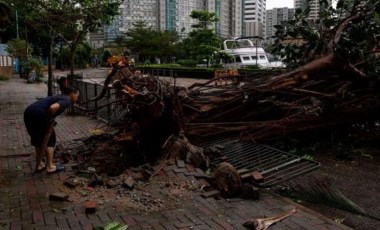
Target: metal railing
100	108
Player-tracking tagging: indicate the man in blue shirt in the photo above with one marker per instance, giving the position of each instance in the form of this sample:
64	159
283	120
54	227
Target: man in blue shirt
38	116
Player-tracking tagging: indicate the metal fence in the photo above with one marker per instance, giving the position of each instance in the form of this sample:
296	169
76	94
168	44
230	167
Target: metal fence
100	108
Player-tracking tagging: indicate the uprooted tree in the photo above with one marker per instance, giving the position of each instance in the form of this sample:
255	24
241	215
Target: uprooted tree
336	83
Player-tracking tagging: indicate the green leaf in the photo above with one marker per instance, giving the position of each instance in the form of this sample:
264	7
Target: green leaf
115	226
83	192
18	167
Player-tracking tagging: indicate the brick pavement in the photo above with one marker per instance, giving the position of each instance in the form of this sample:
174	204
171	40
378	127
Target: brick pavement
24	202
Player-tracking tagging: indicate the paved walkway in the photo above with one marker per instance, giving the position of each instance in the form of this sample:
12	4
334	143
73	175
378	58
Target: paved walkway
98	75
24	202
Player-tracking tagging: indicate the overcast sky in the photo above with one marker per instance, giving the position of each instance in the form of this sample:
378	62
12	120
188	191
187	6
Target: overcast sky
279	3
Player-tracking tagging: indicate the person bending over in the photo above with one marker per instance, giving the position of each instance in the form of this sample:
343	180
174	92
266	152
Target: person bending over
37	118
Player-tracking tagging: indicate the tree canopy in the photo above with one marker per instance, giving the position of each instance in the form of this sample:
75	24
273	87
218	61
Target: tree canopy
71	20
149	43
17	49
350	31
202	42
4	16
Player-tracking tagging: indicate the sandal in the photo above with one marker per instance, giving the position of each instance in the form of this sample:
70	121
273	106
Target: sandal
57	168
40	169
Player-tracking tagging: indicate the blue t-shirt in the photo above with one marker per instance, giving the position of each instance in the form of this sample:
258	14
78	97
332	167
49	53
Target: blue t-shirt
44	104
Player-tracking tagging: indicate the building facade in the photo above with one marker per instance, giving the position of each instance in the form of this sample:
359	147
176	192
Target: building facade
315	7
174	15
274	17
229	13
254	17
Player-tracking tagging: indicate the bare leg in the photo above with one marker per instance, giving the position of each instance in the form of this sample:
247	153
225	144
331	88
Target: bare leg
49	158
39	163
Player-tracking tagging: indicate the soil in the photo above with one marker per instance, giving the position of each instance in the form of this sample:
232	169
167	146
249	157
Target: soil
355	171
159	193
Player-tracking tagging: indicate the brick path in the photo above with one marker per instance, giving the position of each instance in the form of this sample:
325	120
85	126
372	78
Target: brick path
23	197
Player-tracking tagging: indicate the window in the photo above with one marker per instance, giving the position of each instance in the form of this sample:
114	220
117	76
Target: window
246	58
262	57
253	57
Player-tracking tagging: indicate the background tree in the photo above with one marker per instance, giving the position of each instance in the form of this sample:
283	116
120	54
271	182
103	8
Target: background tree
140	40
86	16
71	20
121	45
167	49
148	43
202	41
4	16
18	48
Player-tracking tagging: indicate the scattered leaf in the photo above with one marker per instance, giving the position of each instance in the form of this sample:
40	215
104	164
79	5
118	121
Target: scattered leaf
96	131
339	220
83	192
115	226
18	167
55	210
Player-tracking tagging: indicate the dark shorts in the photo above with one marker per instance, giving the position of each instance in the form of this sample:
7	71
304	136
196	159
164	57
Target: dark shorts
37	123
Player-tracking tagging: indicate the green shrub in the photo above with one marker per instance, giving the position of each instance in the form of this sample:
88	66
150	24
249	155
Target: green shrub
217	66
34	64
187	62
171	65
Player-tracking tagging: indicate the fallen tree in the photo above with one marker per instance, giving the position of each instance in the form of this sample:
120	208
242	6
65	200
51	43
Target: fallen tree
336	84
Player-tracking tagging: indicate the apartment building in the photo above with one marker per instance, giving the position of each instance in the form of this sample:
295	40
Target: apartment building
315	7
173	15
130	11
254	16
229	13
274	17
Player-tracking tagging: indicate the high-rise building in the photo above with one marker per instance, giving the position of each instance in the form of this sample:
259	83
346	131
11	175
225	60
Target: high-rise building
274	17
130	11
229	13
174	15
254	17
97	38
315	7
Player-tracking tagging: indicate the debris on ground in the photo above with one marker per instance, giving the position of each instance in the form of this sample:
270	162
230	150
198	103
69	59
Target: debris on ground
264	223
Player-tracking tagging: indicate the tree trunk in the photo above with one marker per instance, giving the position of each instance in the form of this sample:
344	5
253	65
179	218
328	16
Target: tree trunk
72	49
50	69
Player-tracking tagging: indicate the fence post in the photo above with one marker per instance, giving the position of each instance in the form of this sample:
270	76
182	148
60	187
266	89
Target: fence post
96	94
109	105
86	94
